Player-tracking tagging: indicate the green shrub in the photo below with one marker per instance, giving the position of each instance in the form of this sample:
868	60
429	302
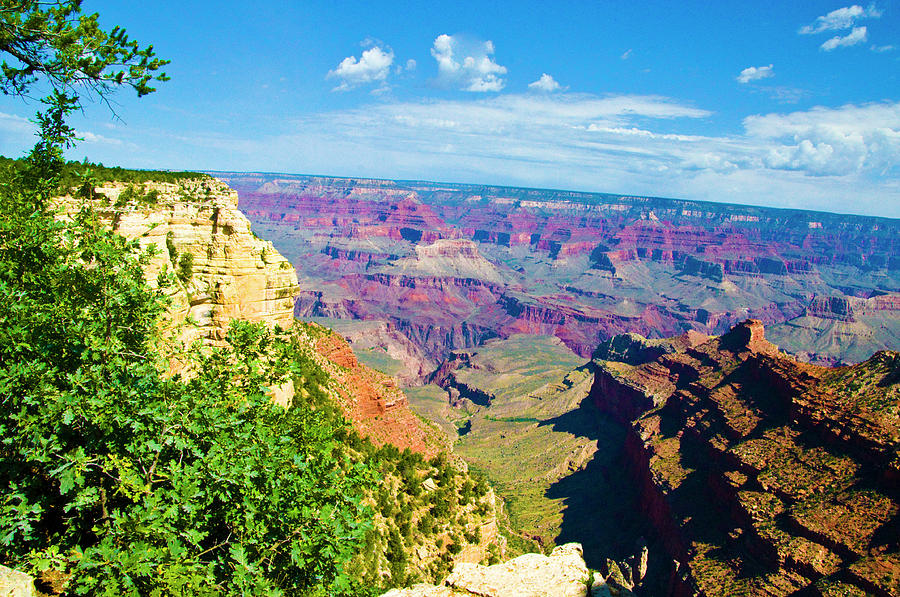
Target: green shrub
185	267
131	482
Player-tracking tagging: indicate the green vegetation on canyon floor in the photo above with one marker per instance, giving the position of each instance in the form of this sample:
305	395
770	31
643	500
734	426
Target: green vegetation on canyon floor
551	455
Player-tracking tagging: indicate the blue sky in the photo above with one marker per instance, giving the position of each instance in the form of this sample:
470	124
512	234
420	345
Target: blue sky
770	103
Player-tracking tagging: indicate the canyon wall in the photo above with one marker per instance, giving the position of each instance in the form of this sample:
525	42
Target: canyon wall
221	270
451	266
762	475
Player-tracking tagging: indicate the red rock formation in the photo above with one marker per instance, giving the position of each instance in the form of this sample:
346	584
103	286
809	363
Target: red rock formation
762	475
585	266
372	401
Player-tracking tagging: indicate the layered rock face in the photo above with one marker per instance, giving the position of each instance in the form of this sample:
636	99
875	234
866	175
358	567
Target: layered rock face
223	271
451	266
762	475
371	400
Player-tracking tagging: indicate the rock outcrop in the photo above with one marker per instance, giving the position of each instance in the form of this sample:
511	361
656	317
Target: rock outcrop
223	271
762	475
371	400
16	584
561	574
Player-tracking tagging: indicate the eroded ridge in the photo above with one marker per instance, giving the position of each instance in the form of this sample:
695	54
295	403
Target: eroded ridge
762	475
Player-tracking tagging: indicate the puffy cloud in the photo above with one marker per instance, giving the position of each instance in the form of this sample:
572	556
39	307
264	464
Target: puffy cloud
545	83
372	66
468	64
754	73
832	141
857	36
842	18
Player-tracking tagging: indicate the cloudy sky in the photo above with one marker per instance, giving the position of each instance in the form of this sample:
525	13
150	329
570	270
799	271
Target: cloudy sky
769	103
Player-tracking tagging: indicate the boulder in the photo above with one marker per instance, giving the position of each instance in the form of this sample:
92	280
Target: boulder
16	584
561	574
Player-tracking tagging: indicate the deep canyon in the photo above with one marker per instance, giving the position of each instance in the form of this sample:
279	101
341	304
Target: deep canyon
744	468
447	266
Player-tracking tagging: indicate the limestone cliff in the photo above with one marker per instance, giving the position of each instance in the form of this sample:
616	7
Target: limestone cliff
223	270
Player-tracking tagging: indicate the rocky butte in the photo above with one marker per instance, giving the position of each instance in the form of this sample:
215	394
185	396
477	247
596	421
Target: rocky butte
762	475
447	266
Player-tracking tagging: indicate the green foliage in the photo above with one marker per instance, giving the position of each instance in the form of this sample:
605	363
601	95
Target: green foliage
185	267
71	176
102	174
131	482
396	555
41	170
52	41
171	248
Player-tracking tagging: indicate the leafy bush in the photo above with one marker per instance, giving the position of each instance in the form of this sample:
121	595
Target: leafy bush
72	173
185	267
130	482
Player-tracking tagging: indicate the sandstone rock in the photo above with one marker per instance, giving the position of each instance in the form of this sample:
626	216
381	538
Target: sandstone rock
641	570
16	584
422	590
562	574
233	273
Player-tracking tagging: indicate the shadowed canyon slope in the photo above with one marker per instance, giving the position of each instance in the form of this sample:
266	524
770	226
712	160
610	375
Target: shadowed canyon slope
447	266
761	475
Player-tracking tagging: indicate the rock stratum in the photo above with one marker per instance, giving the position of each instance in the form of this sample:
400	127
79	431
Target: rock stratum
448	266
223	271
761	475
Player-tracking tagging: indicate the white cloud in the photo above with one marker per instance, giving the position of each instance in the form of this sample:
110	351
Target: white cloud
410	64
631	144
89	137
843	159
545	83
754	73
468	64
372	66
15	124
857	36
784	95
626	55
842	18
881	49
832	141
